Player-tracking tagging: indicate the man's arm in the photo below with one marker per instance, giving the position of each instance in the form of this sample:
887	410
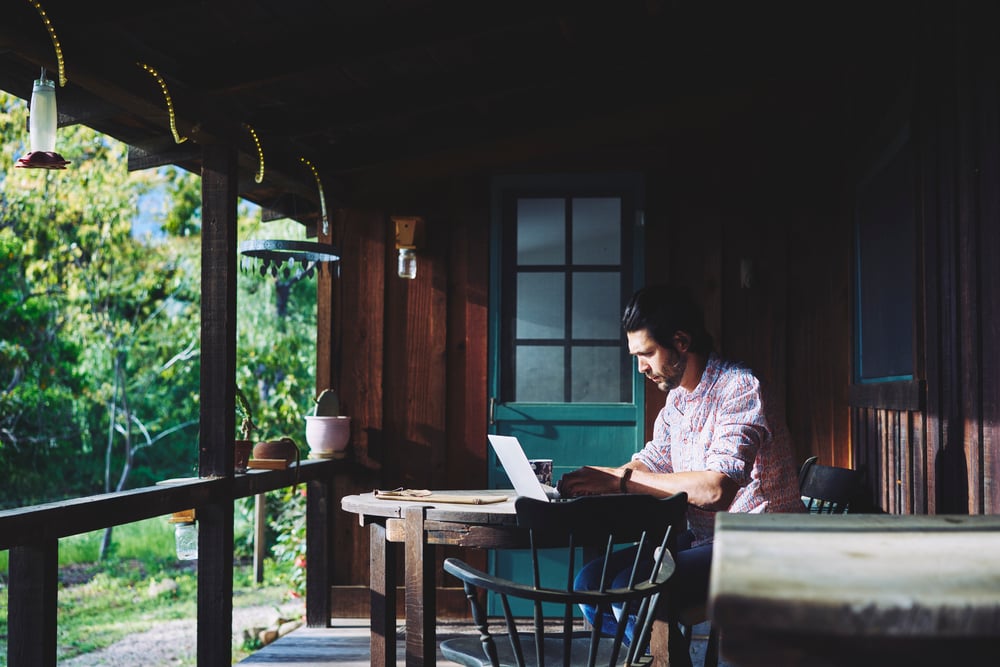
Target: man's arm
706	489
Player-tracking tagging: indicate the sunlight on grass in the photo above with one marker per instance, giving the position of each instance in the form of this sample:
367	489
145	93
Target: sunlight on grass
109	608
151	540
139	585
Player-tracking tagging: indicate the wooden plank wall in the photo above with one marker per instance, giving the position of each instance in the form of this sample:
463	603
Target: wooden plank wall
947	458
408	358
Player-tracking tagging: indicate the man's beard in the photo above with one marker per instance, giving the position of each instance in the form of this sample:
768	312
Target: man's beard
667	384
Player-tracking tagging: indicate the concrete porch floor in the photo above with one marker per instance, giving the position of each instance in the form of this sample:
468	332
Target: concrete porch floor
346	644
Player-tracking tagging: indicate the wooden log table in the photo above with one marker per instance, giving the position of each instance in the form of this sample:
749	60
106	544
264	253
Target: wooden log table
420	525
856	589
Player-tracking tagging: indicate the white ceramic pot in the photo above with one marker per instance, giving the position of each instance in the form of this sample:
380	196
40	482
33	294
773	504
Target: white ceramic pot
327	436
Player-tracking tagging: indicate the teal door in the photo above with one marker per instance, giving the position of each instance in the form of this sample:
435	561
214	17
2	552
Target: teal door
565	261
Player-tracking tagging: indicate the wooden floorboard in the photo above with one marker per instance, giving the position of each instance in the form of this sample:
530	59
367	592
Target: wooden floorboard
346	644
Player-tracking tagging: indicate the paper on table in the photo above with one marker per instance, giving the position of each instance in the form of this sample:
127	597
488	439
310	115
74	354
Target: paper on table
432	497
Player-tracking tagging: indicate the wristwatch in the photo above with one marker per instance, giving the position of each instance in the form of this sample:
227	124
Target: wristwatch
623	480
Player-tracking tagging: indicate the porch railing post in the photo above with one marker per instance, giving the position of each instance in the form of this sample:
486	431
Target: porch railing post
319	552
32	604
219	194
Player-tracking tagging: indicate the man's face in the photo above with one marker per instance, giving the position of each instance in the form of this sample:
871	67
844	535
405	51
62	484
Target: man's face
663	366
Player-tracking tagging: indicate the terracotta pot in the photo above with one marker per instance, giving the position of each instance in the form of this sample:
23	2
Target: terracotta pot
327	436
285	449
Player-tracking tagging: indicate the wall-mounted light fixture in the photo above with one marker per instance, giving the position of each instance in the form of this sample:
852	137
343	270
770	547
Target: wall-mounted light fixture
409	236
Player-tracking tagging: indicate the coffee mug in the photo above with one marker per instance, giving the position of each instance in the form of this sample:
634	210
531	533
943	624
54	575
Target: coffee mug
542	469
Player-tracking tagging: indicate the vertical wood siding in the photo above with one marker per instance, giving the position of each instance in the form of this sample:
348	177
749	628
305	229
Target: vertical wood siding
945	459
410	358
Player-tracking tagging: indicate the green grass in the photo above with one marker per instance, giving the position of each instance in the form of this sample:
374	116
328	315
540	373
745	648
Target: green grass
115	600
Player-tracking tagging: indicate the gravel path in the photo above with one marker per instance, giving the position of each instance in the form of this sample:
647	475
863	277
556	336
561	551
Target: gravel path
172	643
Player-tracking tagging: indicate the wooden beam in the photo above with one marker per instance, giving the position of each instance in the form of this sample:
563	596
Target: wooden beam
28	525
160	152
289	205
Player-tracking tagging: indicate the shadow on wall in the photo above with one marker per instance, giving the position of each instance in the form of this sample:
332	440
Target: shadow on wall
951	473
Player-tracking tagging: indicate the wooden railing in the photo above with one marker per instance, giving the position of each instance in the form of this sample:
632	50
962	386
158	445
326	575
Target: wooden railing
32	535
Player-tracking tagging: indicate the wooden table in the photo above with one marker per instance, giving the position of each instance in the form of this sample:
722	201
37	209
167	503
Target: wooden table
421	526
857	589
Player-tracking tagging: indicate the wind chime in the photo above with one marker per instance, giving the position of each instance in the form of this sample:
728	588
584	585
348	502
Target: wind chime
276	256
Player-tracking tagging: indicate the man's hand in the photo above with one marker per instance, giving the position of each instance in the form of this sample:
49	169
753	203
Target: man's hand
590	481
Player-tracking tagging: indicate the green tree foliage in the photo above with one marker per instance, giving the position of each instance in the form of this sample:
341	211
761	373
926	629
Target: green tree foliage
69	255
276	339
99	330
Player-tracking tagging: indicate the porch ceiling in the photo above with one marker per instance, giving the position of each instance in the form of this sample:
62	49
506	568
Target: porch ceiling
364	87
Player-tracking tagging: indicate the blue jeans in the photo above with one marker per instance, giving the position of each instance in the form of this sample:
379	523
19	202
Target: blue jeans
689	583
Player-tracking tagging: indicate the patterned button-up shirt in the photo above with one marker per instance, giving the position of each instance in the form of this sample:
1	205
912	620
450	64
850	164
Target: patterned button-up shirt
726	425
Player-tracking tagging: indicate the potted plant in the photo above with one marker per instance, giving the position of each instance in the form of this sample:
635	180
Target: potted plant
243	446
327	431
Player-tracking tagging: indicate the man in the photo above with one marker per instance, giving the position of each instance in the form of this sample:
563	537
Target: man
719	437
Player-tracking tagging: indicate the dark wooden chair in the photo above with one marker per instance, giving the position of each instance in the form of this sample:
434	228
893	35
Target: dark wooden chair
831	489
682	634
603	522
824	490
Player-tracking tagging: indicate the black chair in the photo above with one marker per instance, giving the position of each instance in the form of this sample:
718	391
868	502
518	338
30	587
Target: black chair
682	634
604	522
831	489
824	490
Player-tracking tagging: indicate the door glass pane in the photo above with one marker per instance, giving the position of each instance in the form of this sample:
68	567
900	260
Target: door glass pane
540	305
596	301
541	231
539	374
597	230
596	374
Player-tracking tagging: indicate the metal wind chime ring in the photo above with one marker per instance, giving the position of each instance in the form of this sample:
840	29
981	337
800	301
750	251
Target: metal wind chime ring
280	256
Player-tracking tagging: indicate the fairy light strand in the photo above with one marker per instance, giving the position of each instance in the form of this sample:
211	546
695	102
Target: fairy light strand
322	199
55	40
259	178
170	103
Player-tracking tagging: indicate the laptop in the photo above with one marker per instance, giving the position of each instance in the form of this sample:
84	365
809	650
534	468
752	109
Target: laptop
515	464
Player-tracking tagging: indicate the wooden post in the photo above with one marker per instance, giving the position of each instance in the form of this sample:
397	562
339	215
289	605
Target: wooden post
32	604
218	400
319	551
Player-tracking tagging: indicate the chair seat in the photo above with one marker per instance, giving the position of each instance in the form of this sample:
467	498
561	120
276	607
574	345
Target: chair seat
468	650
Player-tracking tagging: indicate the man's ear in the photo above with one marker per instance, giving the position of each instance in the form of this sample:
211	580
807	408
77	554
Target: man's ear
682	341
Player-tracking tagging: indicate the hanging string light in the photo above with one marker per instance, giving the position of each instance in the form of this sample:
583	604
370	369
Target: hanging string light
55	40
322	199
259	177
170	103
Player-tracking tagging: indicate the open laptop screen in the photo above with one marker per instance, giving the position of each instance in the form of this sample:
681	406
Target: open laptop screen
515	464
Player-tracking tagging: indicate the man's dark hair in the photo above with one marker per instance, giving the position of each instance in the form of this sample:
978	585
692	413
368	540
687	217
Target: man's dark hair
664	310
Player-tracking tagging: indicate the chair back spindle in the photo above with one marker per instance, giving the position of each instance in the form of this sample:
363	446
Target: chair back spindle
606	523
